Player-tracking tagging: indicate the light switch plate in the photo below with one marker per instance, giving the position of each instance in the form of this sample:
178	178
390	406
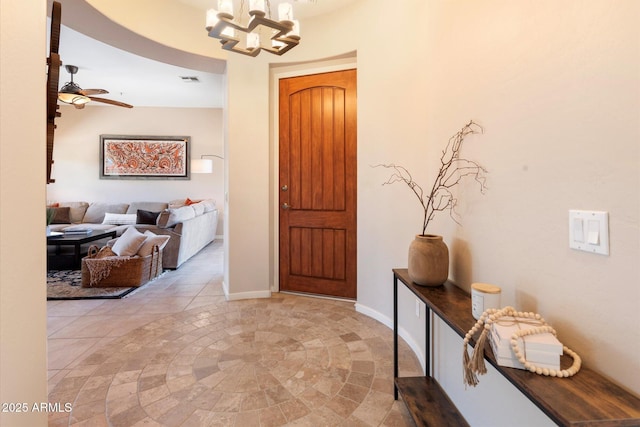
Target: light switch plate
589	231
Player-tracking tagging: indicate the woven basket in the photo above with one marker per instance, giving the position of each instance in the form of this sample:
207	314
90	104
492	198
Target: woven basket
132	272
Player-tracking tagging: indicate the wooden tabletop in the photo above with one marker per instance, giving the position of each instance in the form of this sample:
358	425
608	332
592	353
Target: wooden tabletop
587	398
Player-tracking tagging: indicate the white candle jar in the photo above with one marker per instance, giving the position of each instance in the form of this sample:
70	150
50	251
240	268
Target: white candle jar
483	297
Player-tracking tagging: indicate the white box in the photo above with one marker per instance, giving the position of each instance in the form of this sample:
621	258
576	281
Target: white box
504	350
542	350
505	357
505	327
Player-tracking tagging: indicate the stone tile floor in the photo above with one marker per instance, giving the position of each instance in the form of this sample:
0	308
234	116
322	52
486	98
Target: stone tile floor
176	353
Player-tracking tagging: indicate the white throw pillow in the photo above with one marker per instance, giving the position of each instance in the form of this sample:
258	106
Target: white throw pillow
119	219
152	240
129	243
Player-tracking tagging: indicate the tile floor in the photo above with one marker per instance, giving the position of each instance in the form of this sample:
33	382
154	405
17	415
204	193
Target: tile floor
175	353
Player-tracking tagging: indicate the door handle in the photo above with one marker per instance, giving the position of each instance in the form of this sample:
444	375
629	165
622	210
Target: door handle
285	206
284	187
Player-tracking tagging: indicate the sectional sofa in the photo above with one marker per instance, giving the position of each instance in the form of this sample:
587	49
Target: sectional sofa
191	224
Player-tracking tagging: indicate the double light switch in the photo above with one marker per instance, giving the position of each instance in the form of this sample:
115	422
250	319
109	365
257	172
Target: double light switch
589	231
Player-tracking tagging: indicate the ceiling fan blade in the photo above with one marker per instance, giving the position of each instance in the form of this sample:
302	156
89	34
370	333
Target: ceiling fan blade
87	92
111	101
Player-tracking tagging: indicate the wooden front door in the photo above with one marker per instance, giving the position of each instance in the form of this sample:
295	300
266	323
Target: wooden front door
318	184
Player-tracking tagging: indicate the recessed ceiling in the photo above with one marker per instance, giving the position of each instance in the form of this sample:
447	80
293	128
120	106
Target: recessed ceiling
301	8
133	79
144	82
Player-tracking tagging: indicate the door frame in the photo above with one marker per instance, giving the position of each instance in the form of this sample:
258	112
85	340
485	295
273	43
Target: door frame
276	74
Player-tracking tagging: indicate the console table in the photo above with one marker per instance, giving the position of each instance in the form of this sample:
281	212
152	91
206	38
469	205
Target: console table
584	399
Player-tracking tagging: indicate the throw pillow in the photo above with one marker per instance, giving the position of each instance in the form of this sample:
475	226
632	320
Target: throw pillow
76	210
96	211
170	217
61	216
119	219
146	217
152	240
129	243
190	202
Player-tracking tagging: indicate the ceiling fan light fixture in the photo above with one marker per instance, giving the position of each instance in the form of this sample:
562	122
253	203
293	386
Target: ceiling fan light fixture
72	98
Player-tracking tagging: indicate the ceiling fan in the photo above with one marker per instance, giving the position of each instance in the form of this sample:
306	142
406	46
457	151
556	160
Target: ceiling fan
73	94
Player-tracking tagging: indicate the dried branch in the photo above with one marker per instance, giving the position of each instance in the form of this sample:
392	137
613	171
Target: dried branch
452	171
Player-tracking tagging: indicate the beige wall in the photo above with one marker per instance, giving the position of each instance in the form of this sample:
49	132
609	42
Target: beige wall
77	156
23	327
560	112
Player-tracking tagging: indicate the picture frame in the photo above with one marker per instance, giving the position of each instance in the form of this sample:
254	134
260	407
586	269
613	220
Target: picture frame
144	157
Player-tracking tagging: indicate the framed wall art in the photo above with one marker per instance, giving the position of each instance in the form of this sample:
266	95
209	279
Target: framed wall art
144	157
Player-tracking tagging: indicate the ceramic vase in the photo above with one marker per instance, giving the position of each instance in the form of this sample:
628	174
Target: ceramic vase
428	260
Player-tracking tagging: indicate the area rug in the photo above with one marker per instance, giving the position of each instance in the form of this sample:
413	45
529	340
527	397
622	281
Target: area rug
66	284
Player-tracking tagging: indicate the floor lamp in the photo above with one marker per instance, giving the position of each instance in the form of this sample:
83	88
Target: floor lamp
203	165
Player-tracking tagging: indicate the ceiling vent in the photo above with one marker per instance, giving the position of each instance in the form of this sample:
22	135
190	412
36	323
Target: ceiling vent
190	79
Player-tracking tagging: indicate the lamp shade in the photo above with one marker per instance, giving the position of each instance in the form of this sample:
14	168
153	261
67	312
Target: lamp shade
201	166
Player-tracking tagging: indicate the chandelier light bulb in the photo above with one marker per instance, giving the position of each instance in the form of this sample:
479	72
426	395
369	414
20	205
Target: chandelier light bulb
256	7
229	32
295	31
212	18
225	7
285	12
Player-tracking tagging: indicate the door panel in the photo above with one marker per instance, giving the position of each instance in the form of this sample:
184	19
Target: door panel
318	184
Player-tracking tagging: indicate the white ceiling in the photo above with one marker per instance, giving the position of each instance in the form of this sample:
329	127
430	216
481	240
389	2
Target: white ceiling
144	82
301	8
133	79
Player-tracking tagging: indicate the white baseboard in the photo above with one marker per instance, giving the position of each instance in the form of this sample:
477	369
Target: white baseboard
245	295
374	314
402	333
225	289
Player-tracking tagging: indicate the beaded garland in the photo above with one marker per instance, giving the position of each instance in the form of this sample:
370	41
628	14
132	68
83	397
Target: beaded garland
474	365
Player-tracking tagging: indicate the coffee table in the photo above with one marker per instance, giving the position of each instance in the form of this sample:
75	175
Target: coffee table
75	240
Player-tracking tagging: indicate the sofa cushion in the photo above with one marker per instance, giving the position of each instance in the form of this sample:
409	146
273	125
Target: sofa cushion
61	215
76	210
198	208
176	203
146	217
209	205
95	211
152	240
119	219
170	217
129	243
147	206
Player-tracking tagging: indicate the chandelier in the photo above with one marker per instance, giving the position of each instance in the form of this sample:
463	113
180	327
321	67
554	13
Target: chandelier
260	32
